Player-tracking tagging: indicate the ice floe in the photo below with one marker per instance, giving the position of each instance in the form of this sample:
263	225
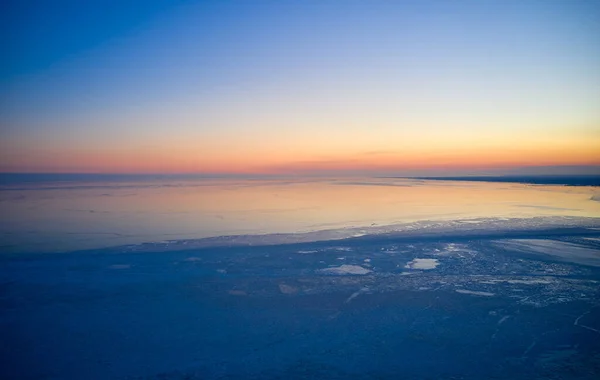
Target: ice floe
346	269
422	264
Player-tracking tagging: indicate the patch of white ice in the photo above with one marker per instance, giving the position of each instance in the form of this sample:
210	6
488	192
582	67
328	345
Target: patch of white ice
422	264
346	269
193	259
475	293
529	282
339	249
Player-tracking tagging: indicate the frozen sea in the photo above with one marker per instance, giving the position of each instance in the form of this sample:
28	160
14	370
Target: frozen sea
164	277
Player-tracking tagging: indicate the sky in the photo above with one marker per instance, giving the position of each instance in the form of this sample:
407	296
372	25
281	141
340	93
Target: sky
299	87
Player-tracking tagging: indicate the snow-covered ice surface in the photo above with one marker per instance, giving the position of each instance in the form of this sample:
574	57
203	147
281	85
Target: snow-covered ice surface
345	269
560	250
422	264
485	227
500	298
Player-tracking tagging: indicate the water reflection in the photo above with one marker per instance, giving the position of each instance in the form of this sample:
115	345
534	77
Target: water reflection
48	217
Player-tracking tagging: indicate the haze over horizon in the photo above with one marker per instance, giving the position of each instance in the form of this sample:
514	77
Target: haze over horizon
311	87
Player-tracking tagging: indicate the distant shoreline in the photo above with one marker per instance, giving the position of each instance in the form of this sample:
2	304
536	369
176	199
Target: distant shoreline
565	180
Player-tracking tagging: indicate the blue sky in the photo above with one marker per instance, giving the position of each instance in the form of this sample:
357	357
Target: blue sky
111	84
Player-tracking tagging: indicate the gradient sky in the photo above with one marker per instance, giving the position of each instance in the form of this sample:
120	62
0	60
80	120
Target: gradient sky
299	86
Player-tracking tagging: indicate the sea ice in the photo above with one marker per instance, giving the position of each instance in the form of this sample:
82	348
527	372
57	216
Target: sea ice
192	259
345	269
475	293
287	289
558	249
422	264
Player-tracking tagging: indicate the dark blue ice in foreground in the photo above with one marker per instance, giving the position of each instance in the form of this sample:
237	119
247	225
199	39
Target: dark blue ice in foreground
506	300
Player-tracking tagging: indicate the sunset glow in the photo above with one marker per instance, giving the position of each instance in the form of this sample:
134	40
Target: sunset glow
408	87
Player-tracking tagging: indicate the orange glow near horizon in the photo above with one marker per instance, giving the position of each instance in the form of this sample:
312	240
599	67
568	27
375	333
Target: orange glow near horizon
285	158
208	88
